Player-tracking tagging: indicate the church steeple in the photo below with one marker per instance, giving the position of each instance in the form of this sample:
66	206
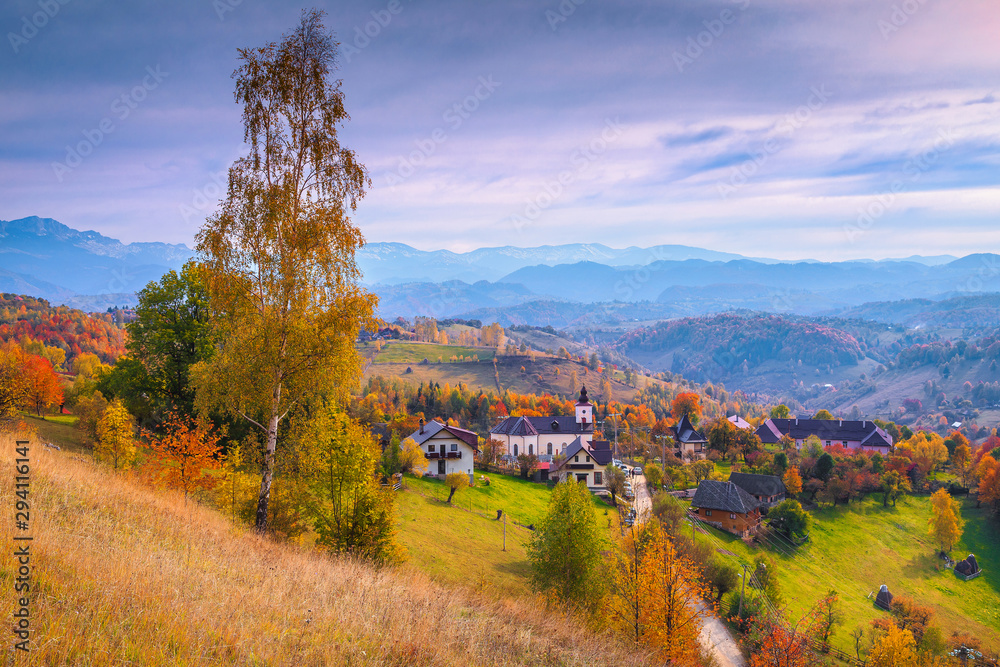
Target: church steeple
584	410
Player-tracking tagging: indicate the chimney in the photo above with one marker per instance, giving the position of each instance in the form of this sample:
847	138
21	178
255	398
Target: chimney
796	421
841	422
421	426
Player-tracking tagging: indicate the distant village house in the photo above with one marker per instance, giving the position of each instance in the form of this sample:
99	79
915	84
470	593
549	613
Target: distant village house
852	434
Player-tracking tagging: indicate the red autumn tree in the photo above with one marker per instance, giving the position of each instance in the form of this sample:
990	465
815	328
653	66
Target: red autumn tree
43	386
184	454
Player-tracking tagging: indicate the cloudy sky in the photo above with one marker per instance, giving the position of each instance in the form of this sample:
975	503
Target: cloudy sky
780	128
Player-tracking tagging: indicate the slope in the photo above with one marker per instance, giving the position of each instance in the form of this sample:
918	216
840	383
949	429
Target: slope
127	575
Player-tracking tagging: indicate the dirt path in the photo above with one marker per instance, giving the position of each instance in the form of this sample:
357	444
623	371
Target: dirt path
715	636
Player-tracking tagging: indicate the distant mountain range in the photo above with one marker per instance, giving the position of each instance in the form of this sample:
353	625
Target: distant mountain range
45	258
544	285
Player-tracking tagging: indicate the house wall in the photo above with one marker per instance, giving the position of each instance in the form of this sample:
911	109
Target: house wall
697	451
741	525
539	443
463	464
590	474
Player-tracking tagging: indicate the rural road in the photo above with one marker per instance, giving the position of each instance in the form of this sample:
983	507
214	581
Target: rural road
715	636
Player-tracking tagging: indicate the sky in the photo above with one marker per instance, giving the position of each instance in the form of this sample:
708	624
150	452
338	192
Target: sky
777	128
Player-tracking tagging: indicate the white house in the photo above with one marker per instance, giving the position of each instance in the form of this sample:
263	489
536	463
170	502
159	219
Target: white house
448	448
584	463
546	436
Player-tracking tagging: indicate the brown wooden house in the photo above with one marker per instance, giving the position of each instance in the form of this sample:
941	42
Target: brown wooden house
726	506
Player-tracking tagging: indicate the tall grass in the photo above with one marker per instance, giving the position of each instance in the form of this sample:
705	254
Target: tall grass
126	575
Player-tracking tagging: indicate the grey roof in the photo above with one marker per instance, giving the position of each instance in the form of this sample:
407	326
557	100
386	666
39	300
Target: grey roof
686	432
601	457
758	485
541	425
867	432
724	496
433	427
515	426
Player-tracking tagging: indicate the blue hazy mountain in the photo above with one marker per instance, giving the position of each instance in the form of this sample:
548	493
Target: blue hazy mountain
45	258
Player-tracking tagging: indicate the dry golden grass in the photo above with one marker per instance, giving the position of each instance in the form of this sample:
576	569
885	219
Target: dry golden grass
126	575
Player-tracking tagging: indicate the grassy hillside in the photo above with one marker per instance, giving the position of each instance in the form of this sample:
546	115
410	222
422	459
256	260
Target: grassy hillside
462	543
401	352
128	575
539	376
855	549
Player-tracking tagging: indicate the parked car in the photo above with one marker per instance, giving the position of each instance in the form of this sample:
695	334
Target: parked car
637	470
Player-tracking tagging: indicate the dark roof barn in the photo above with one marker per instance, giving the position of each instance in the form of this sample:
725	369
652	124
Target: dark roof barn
723	496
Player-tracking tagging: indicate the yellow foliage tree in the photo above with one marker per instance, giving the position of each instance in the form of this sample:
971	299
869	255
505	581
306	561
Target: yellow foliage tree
627	600
13	383
116	436
946	521
893	648
456	481
412	458
347	508
279	255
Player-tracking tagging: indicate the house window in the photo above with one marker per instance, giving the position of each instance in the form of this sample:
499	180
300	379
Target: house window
515	450
581	478
827	443
588	459
576	459
697	511
531	450
549	448
732	516
844	443
597	478
454	447
708	512
430	448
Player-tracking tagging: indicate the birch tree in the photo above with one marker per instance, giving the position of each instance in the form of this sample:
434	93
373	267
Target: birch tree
279	255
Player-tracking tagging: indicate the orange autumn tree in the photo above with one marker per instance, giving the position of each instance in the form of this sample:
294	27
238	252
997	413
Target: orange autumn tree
185	453
793	481
772	644
988	472
42	384
687	403
673	607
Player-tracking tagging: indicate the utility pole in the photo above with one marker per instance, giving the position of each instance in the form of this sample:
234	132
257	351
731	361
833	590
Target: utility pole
740	614
616	414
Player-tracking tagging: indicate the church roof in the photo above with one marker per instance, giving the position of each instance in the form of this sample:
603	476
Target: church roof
520	426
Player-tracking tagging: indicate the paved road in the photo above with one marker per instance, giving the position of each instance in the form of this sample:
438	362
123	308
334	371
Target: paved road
715	636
